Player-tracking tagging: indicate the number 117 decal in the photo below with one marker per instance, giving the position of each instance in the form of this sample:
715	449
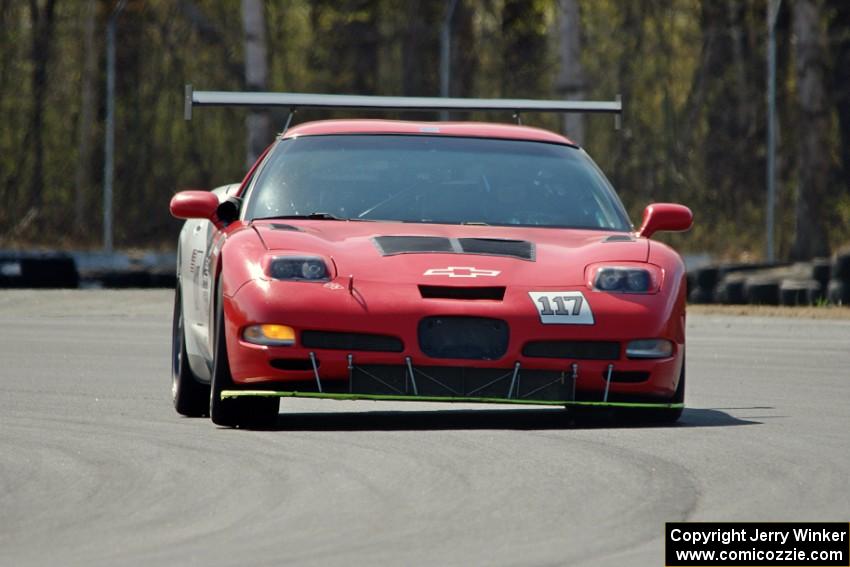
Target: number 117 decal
562	307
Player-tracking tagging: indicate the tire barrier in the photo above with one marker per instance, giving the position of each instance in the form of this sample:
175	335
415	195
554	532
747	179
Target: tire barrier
700	295
38	270
136	279
838	292
761	291
800	292
702	283
706	278
86	269
731	290
803	283
841	265
822	271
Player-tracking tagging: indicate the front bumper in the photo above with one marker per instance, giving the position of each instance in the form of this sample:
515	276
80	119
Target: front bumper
396	310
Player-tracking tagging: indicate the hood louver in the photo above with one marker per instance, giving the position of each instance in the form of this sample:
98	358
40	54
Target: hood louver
392	245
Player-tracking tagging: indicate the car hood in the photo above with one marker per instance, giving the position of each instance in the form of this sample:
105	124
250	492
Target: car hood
368	251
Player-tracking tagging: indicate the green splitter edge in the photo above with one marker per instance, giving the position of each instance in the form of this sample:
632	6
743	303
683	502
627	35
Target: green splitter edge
225	394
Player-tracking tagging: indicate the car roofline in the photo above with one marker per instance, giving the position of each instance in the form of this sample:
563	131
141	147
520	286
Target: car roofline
480	130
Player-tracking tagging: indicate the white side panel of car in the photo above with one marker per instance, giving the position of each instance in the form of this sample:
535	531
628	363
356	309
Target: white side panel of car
196	286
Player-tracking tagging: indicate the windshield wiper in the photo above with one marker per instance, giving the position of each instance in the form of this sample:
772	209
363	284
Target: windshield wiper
311	216
314	216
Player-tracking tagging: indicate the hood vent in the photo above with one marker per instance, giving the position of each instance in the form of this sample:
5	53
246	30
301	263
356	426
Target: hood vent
280	226
619	238
467	293
498	247
392	245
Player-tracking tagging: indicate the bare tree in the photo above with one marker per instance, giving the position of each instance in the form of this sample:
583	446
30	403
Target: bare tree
258	124
811	210
211	34
570	83
42	18
88	110
839	32
525	49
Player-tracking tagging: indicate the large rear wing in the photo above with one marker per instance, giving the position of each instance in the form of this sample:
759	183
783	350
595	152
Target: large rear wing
296	101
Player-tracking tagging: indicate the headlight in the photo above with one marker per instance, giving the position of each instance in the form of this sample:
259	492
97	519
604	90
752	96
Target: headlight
269	335
623	279
303	268
649	348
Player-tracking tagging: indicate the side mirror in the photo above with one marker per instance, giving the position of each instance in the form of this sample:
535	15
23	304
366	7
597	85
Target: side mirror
194	205
665	216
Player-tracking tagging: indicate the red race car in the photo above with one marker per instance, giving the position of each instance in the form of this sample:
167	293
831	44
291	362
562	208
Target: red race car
425	261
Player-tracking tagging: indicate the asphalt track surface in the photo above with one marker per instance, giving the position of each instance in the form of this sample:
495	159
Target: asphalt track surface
96	468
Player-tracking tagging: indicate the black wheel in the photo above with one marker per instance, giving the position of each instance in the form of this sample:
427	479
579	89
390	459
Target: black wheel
190	396
701	295
762	292
841	266
234	412
838	293
672	415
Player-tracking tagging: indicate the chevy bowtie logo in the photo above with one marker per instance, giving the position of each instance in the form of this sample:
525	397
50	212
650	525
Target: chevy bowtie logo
461	272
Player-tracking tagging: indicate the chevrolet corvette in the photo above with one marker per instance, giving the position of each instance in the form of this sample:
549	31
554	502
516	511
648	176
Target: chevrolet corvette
423	261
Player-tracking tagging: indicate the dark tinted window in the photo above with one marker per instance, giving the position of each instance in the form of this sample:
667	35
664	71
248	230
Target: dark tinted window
436	179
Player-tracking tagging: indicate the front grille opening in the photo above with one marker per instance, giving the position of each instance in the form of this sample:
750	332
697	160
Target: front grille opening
628	376
577	350
351	341
292	363
473	338
469	293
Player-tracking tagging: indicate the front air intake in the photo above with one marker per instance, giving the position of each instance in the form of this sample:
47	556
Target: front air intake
577	350
472	338
351	341
456	292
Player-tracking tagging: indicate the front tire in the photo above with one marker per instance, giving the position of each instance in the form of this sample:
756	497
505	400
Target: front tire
671	415
189	395
660	416
233	412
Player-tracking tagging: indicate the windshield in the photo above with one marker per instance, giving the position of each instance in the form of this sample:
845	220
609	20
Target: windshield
435	179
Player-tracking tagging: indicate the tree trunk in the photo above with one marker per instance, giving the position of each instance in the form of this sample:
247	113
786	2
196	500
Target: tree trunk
42	32
839	32
88	109
211	34
258	124
524	49
570	83
811	209
412	77
465	58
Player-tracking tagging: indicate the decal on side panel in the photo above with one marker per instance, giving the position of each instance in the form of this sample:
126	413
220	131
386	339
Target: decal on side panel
562	307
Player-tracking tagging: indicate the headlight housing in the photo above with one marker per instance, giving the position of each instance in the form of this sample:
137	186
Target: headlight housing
644	278
269	335
299	268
